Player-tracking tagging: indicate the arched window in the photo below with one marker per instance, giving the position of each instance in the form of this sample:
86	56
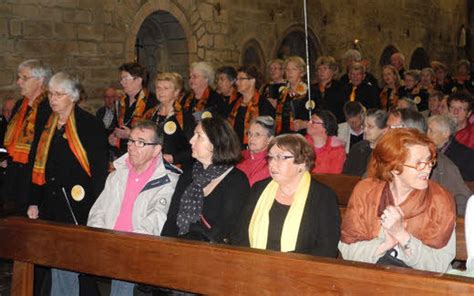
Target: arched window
419	59
252	54
386	54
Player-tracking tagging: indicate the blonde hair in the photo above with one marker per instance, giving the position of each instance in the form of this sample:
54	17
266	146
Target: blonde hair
173	77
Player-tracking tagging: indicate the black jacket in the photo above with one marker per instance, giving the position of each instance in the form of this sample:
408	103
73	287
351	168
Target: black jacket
463	158
320	225
64	171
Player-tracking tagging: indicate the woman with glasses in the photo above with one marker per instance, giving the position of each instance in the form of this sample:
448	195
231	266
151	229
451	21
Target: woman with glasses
202	101
290	212
398	208
176	126
249	105
329	149
70	166
254	163
132	106
209	198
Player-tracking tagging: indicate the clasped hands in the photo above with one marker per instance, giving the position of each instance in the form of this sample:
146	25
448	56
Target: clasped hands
394	228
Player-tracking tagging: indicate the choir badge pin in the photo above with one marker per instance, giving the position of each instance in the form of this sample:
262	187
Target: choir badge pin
310	105
206	114
454	89
282	88
170	127
78	193
65	136
417	100
163	201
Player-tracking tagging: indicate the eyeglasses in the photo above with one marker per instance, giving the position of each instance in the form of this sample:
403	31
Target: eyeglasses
316	122
126	78
394	126
140	143
244	78
254	135
56	94
278	157
421	165
24	78
457	109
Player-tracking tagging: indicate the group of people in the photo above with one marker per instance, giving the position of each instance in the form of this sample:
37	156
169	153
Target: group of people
233	165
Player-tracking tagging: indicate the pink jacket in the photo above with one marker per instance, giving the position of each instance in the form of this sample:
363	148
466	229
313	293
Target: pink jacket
331	157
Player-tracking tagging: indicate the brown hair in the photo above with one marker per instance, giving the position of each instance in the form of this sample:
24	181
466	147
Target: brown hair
391	152
224	139
297	145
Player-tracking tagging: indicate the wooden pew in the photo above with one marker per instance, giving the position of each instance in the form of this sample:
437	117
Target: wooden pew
203	268
343	185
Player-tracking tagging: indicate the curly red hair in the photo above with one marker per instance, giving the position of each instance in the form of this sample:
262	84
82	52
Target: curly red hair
391	152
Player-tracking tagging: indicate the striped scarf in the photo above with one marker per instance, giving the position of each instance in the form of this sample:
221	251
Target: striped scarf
21	130
251	113
73	141
137	113
202	101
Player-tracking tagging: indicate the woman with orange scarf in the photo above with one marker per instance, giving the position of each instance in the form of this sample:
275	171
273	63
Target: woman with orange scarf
28	116
291	110
248	106
390	88
398	208
70	166
132	106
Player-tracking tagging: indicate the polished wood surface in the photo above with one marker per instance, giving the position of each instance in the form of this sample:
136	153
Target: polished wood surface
342	185
205	268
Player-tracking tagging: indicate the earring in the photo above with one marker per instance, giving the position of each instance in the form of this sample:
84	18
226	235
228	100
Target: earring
300	170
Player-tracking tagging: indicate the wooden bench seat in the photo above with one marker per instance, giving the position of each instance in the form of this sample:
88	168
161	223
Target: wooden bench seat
203	268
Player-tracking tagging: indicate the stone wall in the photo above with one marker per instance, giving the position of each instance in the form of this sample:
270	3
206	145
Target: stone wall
92	38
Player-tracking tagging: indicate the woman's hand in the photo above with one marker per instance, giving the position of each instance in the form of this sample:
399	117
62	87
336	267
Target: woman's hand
33	212
394	225
112	139
122	132
300	124
387	244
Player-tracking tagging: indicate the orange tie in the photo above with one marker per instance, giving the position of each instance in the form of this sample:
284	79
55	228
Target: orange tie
353	94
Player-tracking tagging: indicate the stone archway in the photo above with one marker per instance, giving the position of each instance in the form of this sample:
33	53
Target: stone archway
161	45
252	54
419	59
157	9
294	43
386	54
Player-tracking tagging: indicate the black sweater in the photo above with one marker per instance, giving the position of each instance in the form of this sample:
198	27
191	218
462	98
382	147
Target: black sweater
320	225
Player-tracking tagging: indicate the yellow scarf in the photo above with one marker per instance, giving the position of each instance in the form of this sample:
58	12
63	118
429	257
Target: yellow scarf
21	130
259	223
73	141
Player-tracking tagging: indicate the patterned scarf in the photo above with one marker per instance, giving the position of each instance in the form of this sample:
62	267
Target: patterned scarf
190	208
45	142
201	104
251	113
21	130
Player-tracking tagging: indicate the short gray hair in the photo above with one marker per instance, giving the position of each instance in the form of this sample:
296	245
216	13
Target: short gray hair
352	54
206	69
414	73
69	84
267	122
158	136
38	69
446	123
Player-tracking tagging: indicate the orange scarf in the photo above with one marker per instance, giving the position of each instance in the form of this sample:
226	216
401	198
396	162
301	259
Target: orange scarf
178	113
279	112
233	96
137	113
430	214
73	141
387	101
21	130
251	113
201	104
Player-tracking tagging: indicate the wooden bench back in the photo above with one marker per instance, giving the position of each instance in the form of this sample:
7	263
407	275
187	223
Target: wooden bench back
203	268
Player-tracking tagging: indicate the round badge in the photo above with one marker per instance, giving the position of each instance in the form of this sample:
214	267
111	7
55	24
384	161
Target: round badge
78	193
301	89
206	114
417	100
65	136
454	89
310	105
170	127
282	88
163	201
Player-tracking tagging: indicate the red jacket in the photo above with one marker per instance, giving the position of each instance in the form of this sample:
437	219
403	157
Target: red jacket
255	166
331	157
466	136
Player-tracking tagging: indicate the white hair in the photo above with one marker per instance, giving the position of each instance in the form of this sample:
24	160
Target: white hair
70	85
